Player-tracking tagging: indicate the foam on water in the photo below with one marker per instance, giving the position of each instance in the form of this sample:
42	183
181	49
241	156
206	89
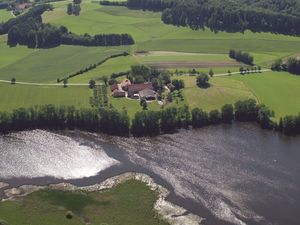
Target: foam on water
40	153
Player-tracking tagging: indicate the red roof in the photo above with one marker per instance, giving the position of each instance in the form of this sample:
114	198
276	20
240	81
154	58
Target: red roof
114	87
135	88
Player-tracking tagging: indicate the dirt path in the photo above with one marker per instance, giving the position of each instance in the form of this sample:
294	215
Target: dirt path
44	84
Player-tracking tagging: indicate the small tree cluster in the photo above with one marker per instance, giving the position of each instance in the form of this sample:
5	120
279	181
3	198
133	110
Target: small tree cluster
241	56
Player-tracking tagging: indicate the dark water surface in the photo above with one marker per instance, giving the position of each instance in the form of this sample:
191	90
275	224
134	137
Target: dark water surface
235	174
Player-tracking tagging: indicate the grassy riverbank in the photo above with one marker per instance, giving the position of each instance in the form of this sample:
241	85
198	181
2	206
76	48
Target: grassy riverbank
130	203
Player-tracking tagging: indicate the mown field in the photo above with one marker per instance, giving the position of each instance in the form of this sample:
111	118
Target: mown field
279	91
130	203
15	96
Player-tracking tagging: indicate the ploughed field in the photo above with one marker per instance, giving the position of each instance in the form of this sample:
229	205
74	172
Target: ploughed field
158	45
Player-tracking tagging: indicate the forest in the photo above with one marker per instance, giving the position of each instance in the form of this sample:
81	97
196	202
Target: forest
230	16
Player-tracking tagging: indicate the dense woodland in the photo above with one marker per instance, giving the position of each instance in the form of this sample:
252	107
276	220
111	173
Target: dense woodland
292	65
145	123
29	30
230	16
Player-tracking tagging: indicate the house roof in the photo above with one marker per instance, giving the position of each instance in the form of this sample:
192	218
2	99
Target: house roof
125	82
146	93
118	93
114	87
135	88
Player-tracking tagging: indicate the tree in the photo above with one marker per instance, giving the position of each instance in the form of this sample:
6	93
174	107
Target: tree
65	83
227	114
13	80
77	2
143	103
92	84
259	69
70	9
242	70
276	66
229	73
105	80
214	116
263	117
211	73
76	9
202	80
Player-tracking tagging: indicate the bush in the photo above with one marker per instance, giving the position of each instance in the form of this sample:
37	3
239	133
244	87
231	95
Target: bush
69	215
202	80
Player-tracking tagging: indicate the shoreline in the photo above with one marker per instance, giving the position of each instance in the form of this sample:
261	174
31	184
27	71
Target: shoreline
173	214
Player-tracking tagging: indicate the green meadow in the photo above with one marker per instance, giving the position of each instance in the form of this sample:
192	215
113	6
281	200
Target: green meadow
5	15
118	205
15	96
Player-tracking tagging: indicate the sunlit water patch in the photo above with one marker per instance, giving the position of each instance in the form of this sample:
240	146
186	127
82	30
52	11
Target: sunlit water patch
44	154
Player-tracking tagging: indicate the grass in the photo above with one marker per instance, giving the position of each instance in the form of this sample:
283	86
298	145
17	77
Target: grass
46	65
5	15
278	90
221	92
15	96
130	203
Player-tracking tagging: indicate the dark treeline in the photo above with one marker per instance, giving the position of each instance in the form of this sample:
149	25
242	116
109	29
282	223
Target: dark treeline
29	30
102	120
113	3
150	123
292	65
153	5
291	7
145	123
241	56
230	16
92	66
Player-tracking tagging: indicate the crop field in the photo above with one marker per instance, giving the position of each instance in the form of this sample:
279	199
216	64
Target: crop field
116	206
46	65
15	96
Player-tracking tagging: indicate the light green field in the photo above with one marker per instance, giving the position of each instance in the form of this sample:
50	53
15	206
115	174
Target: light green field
46	65
279	91
130	203
5	15
15	96
151	34
221	92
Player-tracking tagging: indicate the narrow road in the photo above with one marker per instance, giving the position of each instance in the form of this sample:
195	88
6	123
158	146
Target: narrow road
45	84
81	84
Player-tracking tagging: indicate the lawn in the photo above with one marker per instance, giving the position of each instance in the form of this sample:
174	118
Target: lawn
5	15
221	92
15	96
278	90
130	203
46	65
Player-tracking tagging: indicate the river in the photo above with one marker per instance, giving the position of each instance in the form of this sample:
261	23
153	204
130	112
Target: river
230	174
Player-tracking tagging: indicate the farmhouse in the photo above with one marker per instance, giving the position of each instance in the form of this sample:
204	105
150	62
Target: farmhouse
118	94
134	89
148	94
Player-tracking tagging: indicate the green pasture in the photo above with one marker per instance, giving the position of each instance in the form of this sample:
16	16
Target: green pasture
278	90
130	203
5	15
15	96
46	65
221	92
